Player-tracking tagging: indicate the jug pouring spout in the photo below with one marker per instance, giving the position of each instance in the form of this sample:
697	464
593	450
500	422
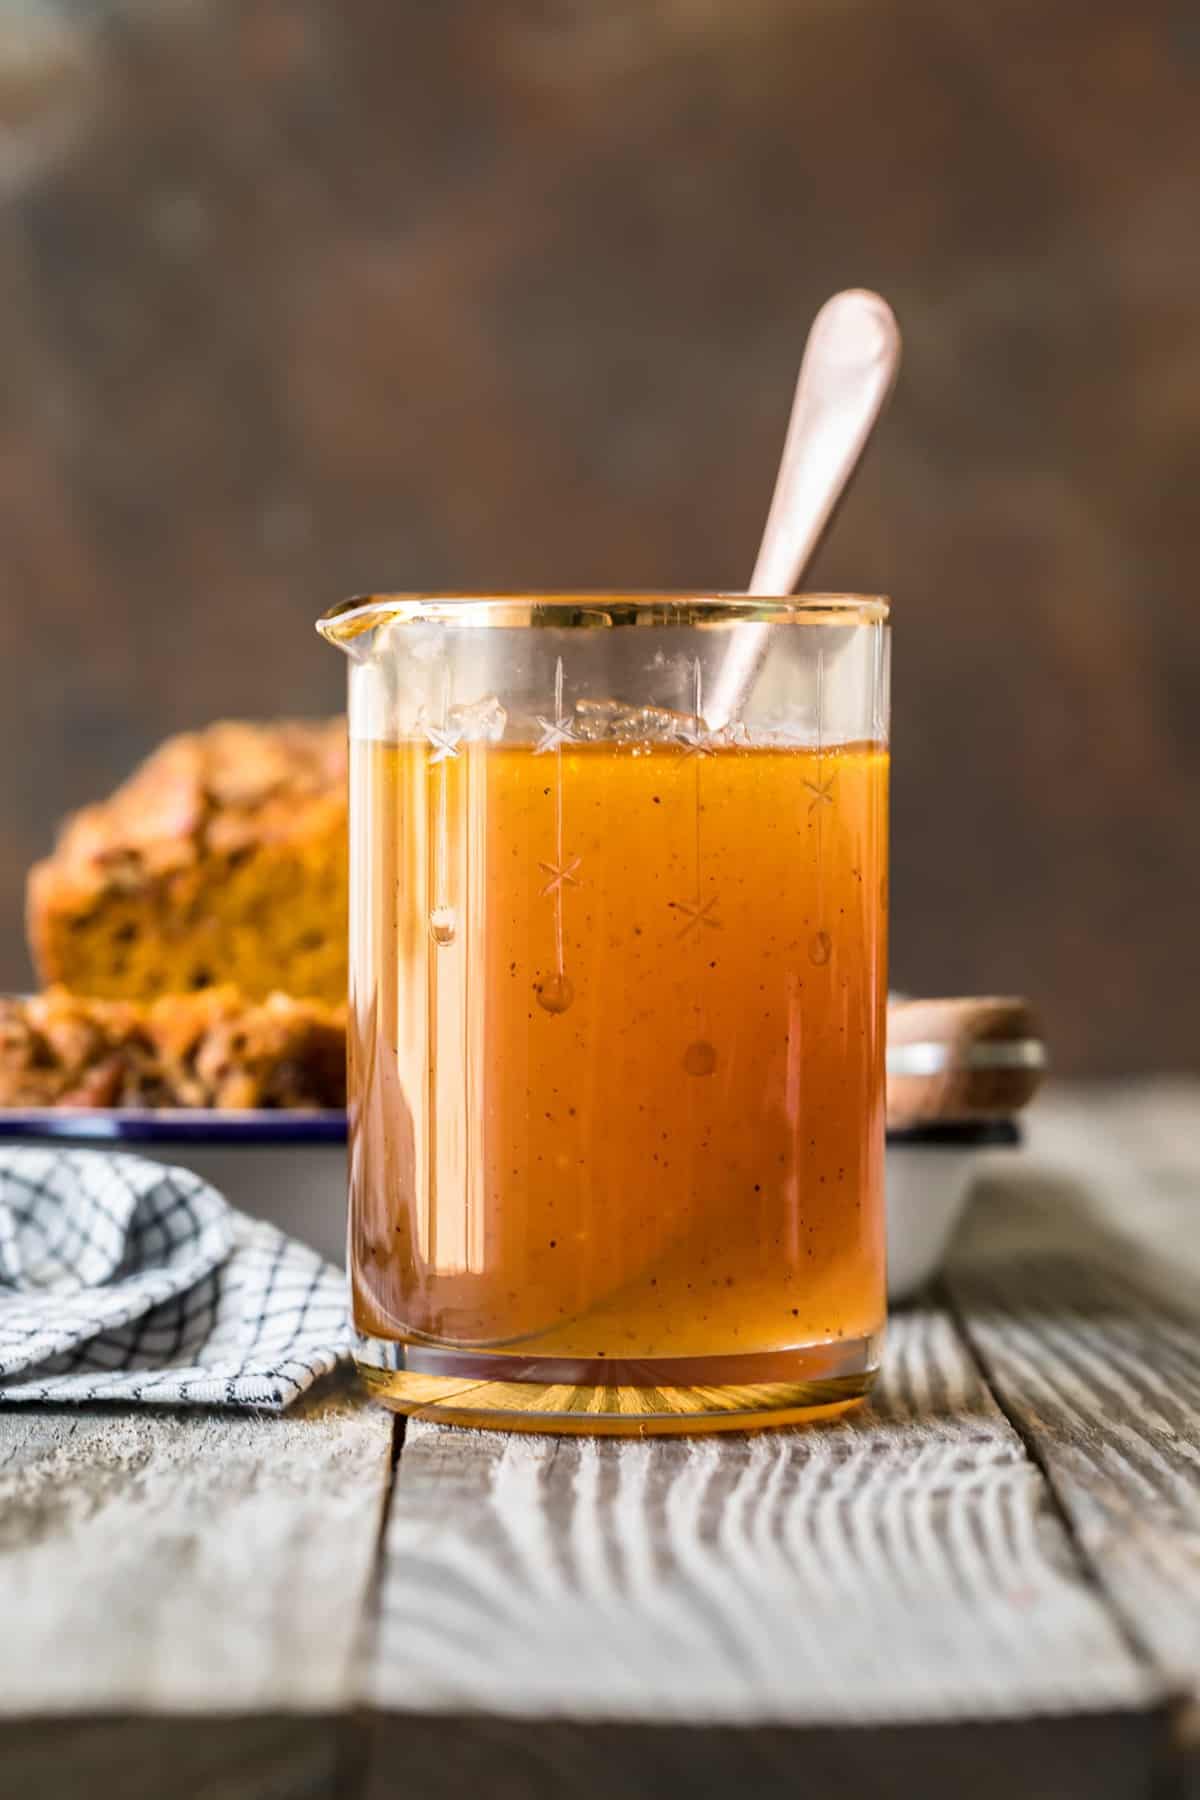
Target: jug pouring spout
354	625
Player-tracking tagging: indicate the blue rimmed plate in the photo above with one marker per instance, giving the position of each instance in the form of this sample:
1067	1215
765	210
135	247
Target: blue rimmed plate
290	1168
136	1126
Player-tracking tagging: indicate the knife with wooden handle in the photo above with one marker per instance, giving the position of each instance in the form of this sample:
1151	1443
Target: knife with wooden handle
950	1061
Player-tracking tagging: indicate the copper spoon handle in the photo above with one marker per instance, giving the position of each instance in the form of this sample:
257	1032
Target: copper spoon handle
847	372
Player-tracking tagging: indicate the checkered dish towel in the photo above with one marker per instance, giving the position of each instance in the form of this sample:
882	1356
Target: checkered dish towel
124	1280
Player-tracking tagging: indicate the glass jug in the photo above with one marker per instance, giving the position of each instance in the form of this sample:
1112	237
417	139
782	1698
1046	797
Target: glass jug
617	1006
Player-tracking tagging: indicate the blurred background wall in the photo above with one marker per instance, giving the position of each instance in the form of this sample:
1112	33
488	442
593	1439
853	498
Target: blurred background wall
299	297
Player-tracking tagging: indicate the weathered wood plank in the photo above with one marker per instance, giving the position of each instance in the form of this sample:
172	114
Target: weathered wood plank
615	1617
1076	1282
905	1566
179	1758
189	1562
1096	1758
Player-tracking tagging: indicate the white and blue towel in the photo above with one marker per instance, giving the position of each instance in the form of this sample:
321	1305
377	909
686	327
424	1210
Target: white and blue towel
121	1280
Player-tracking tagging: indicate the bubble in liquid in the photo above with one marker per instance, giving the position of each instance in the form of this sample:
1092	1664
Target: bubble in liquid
555	994
482	722
442	924
700	1058
596	719
820	948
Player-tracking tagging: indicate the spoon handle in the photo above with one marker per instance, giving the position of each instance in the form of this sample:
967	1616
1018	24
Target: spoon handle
849	366
847	372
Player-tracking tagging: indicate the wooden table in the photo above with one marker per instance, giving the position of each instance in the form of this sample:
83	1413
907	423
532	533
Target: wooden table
986	1585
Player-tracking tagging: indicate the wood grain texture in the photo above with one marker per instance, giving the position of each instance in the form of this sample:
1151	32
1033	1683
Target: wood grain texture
180	1758
189	1562
897	1605
1118	1757
1077	1283
905	1566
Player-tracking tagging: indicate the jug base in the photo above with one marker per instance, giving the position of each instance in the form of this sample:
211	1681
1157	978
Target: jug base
501	1392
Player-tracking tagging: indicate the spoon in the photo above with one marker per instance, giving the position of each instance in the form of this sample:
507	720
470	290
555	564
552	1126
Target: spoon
847	372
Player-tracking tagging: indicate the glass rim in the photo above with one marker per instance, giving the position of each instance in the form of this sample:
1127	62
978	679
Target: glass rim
598	609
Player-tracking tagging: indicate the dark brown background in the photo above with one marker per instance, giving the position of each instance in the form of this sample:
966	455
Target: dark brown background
300	298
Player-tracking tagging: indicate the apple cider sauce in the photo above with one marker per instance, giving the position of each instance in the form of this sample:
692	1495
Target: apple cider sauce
618	977
617	1047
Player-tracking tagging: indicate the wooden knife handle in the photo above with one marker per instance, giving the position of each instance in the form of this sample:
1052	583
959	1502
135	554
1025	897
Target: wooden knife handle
961	1059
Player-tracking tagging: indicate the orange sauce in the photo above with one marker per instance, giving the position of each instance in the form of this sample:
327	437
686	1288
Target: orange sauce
617	1034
